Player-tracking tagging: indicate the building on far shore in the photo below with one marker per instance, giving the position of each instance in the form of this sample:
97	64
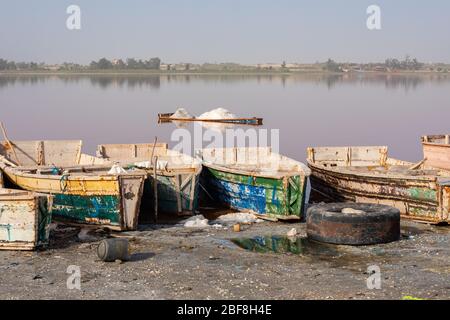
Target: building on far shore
178	67
53	67
277	66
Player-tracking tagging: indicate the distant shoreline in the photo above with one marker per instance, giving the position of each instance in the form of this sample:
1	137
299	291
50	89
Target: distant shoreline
216	73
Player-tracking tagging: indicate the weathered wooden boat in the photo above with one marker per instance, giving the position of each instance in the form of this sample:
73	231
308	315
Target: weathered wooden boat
84	191
25	219
436	151
177	174
169	117
256	180
367	174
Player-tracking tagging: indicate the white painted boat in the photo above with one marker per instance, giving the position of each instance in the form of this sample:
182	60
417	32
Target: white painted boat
256	179
368	175
177	175
436	151
25	219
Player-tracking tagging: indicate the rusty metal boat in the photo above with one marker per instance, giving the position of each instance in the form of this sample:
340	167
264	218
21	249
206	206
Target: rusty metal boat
367	174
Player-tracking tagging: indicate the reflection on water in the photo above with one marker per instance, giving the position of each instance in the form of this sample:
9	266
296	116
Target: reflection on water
308	109
390	81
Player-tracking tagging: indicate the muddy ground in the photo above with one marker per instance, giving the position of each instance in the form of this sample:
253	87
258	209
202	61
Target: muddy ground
170	261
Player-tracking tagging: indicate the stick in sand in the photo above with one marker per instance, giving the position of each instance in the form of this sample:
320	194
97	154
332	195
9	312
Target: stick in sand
155	188
153	149
9	143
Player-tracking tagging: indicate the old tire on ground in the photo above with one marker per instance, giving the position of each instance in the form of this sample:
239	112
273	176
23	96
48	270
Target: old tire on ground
376	224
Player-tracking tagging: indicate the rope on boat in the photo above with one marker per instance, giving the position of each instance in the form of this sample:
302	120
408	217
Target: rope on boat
55	170
63	182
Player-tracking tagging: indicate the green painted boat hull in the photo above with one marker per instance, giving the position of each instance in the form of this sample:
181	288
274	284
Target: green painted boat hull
281	198
168	196
44	221
104	209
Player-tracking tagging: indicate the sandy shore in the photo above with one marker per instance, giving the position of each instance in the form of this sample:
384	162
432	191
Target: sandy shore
170	261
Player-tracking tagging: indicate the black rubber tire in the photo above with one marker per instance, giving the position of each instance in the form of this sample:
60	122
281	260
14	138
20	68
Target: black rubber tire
378	224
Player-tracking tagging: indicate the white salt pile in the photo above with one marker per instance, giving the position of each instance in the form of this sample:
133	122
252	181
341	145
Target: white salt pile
238	217
196	222
116	169
219	113
182	113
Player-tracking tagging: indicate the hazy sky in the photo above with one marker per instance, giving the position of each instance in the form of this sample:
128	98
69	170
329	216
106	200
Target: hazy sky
244	31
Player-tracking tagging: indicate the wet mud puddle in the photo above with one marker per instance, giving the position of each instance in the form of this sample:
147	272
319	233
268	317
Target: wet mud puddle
285	245
347	257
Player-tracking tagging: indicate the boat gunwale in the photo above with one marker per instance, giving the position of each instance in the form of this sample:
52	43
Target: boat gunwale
381	175
430	140
279	176
170	171
364	193
20	197
435	144
194	166
300	170
17	171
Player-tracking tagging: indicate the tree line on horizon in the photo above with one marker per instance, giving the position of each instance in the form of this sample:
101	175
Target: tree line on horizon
101	64
407	64
130	63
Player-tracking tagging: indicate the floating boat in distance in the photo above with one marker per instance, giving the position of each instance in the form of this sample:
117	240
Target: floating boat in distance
256	180
84	191
168	117
177	174
436	151
367	174
25	219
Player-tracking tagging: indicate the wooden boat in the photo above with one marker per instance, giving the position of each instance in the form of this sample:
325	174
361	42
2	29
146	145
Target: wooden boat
256	180
177	174
25	219
168	117
84	192
367	174
436	151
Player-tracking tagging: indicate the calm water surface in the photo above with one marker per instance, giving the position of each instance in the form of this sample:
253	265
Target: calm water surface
309	110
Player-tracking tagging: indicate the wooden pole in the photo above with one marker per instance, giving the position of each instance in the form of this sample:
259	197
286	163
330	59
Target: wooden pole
9	143
153	149
7	162
155	187
417	165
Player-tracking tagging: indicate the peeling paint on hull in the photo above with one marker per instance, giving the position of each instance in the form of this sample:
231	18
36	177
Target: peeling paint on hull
168	194
105	200
367	175
25	219
88	209
279	198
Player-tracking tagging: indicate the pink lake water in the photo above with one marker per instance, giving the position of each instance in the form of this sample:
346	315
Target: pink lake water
309	110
